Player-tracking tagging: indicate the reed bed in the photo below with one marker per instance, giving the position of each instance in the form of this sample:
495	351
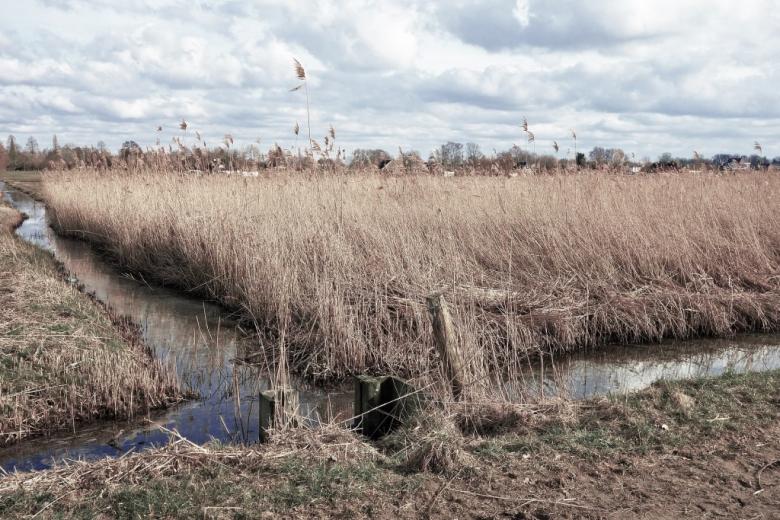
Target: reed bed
336	268
62	358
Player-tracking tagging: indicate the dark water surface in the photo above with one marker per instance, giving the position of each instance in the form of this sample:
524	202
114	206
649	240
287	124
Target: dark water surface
203	342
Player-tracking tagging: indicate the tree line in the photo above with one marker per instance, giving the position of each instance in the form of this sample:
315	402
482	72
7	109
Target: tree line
450	155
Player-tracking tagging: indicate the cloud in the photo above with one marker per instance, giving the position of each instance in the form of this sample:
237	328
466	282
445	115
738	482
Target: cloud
646	76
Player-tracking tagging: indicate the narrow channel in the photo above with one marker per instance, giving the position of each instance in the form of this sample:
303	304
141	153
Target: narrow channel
204	341
198	336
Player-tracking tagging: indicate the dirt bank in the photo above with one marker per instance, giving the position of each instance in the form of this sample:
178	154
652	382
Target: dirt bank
702	449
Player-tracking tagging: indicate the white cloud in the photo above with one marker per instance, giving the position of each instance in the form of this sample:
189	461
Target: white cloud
522	12
671	75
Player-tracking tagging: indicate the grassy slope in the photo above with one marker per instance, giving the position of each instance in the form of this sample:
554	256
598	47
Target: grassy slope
62	359
690	448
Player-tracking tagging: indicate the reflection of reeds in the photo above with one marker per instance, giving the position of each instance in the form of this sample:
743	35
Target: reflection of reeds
530	265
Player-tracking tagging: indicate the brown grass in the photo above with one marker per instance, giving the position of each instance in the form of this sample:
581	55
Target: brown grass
338	267
62	360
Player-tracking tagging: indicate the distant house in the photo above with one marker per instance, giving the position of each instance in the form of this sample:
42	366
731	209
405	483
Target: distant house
735	164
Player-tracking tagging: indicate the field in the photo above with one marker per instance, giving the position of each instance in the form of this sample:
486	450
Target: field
64	358
337	268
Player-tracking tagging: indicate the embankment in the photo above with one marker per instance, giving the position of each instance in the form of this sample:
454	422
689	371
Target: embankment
63	357
697	448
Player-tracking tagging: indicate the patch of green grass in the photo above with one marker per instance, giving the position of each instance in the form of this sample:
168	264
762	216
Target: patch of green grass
304	484
666	416
491	449
11	505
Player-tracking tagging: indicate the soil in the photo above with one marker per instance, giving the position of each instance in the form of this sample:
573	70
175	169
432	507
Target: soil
716	479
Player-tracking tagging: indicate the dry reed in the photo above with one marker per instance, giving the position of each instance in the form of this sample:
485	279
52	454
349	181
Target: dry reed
339	266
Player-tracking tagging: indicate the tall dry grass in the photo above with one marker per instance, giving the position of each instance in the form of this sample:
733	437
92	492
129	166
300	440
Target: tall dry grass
338	268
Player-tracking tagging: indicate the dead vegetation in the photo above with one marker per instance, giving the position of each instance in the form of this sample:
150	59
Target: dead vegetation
63	358
339	267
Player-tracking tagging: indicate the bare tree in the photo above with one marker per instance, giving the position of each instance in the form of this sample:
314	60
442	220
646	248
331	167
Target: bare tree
473	153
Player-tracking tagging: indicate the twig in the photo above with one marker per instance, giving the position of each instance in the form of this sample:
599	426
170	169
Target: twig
174	433
758	475
525	501
438	493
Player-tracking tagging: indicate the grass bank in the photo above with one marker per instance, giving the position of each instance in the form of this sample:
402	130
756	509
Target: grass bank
699	448
339	267
63	357
28	182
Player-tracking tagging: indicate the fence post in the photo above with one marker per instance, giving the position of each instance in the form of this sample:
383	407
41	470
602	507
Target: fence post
280	404
382	403
446	343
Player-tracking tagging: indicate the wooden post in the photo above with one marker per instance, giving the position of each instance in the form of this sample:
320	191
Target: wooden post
275	405
446	343
382	403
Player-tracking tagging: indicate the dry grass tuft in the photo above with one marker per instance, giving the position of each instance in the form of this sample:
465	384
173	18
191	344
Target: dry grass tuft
328	443
431	442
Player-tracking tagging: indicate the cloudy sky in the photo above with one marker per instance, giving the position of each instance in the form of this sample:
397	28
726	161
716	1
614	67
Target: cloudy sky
646	76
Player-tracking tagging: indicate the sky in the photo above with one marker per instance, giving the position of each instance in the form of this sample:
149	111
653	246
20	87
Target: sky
645	76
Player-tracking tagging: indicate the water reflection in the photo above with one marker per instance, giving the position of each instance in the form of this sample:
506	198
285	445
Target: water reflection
628	368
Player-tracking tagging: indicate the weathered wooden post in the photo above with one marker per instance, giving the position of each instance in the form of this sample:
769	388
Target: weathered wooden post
382	403
446	343
280	404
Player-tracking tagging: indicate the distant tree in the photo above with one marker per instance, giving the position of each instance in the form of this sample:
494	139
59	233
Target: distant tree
130	151
547	163
581	159
473	153
722	159
665	158
598	155
520	156
758	163
101	146
617	157
13	153
362	158
3	158
450	154
130	145
55	144
601	156
32	146
410	160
